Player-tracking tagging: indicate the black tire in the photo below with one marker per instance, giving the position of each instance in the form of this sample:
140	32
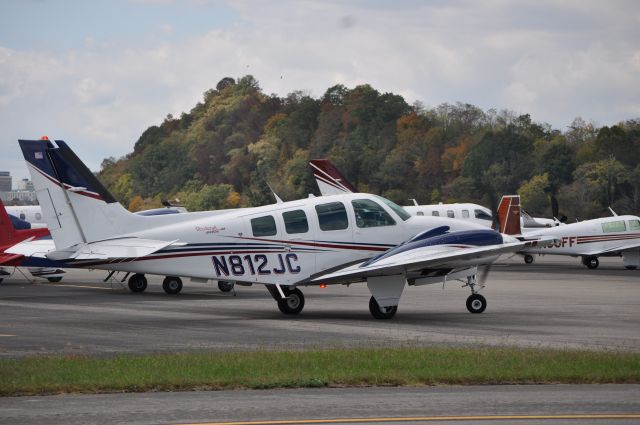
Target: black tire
172	285
225	286
1	280
294	303
592	263
381	313
54	279
528	259
137	283
626	267
476	303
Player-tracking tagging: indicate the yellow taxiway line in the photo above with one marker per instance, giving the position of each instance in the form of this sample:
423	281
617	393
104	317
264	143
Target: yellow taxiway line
428	419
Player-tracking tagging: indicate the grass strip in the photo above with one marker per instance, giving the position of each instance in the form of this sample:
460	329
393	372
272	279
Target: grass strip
318	368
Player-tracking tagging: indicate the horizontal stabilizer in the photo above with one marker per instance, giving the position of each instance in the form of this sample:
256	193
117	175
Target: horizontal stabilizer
32	248
10	259
110	248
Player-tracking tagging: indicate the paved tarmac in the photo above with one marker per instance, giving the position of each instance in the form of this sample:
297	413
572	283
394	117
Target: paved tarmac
555	302
506	404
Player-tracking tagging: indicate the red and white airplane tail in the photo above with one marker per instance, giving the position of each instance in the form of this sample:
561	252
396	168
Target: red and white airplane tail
329	179
7	231
509	215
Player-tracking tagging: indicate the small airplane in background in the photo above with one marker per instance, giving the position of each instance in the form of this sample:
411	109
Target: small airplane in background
30	213
601	237
340	239
331	181
13	231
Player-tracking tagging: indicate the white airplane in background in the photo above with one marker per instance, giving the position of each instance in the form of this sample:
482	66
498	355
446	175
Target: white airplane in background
341	239
601	237
30	213
331	181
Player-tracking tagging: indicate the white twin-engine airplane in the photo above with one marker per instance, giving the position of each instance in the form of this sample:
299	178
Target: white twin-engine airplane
341	239
601	237
331	181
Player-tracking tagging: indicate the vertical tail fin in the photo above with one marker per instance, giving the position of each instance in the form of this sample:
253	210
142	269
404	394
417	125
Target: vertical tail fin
76	206
329	179
7	232
509	215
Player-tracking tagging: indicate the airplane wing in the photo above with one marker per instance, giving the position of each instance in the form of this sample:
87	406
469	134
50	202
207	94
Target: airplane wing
128	247
618	248
418	260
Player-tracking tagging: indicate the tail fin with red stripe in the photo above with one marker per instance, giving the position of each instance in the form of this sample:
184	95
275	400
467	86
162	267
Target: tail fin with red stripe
329	179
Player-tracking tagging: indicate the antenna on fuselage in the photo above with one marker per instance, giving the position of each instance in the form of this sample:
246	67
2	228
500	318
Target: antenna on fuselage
612	212
278	200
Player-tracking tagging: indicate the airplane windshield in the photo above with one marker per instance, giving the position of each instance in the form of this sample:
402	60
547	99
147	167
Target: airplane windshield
402	213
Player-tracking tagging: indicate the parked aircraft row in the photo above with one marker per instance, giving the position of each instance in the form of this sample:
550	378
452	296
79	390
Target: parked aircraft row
338	239
590	239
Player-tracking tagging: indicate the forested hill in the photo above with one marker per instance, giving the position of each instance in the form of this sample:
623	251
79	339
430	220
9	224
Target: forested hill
228	147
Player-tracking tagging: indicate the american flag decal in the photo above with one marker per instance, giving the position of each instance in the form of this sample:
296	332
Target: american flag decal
38	155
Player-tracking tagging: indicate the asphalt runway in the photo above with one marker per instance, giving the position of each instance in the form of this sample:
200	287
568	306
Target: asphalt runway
506	404
552	303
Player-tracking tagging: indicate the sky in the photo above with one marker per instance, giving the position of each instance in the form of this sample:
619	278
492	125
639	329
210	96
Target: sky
98	73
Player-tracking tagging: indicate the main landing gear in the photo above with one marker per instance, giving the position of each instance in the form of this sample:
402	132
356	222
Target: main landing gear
137	283
528	258
172	285
290	299
591	262
381	312
476	303
225	286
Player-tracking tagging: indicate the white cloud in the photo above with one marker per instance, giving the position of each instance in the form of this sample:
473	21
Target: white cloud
555	61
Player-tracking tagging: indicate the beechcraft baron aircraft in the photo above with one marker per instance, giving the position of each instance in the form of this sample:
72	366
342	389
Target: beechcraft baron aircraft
331	181
341	239
589	239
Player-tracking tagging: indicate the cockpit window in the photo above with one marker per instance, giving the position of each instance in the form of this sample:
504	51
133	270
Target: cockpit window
370	214
332	216
634	224
482	215
402	213
614	226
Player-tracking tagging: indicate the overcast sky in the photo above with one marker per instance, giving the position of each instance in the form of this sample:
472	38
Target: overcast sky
98	73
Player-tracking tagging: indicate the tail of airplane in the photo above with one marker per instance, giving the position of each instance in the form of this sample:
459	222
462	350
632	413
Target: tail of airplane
329	179
76	206
7	231
509	215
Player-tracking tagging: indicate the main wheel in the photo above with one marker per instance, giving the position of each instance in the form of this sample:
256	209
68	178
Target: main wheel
225	286
626	267
1	280
137	283
54	279
528	259
294	303
172	285
592	263
476	303
381	312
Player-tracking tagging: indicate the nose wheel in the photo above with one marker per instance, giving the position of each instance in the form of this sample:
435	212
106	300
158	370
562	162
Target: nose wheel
476	303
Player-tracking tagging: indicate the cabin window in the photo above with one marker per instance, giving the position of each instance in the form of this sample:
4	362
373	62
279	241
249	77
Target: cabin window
22	216
482	215
420	213
332	216
450	214
370	214
465	213
263	226
38	216
295	221
435	213
634	224
614	226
